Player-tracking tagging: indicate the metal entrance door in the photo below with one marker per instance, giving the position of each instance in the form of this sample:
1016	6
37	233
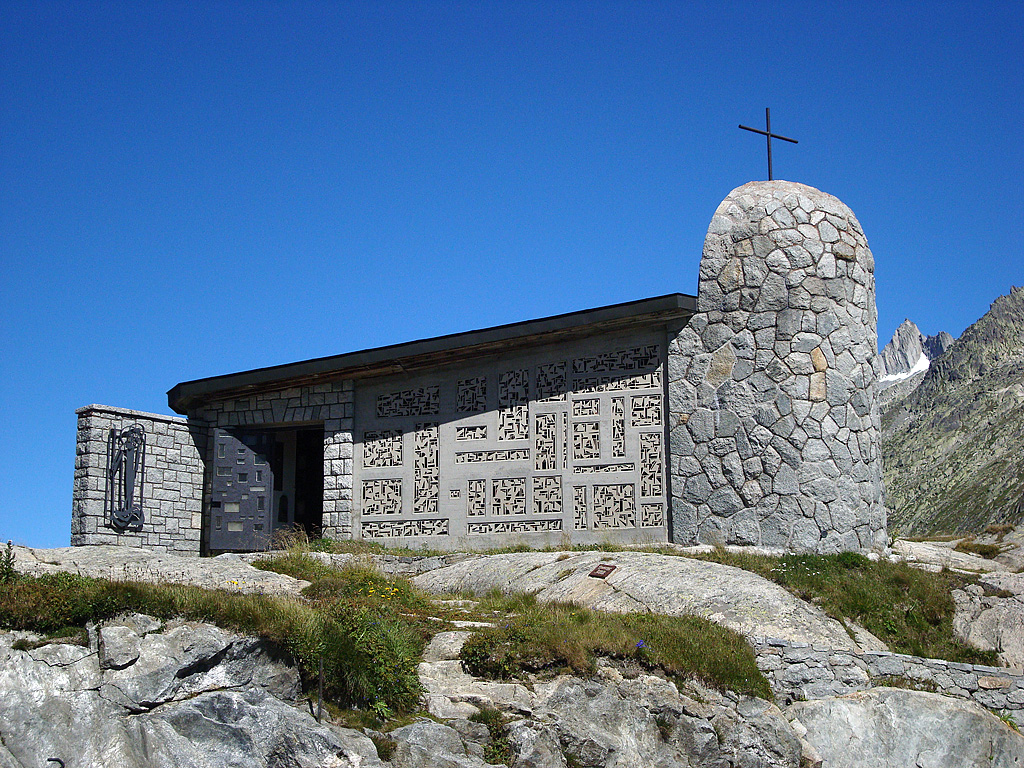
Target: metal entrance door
242	491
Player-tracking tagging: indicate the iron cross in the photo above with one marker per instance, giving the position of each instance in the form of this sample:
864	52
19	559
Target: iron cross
768	133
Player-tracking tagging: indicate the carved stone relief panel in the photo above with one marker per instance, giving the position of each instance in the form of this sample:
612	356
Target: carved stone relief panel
586	440
551	381
646	411
401	528
477	498
410	402
471	433
382	448
579	507
614	506
619	427
382	497
508	496
472	395
590	406
517	526
652	515
427	469
547	495
539	441
513	405
651	460
544	450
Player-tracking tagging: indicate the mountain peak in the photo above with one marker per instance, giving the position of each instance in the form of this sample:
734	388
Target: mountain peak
952	443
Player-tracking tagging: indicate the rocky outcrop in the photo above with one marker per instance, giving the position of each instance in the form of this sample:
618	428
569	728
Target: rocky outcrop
909	352
934	346
904	361
774	429
952	446
902	354
644	582
990	616
146	695
643	720
893	727
624	717
108	561
620	717
936	555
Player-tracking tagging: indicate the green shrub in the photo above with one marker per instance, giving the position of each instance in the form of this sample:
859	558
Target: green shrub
7	573
499	750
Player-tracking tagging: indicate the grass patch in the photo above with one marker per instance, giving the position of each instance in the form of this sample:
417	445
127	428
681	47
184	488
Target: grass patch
370	651
565	636
499	750
973	547
909	609
999	531
385	746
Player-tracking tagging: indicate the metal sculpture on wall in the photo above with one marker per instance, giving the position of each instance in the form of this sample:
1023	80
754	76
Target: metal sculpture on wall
126	471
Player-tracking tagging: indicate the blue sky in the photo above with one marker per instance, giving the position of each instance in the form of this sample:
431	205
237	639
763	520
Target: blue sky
190	189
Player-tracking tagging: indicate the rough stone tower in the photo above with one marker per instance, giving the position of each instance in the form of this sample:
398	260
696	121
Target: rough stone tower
774	426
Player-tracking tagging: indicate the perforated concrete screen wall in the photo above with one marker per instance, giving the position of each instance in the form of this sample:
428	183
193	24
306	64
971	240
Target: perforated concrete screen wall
556	442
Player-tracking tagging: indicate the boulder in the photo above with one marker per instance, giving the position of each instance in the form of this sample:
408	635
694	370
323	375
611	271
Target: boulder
427	744
645	582
936	555
190	695
990	616
895	727
611	721
107	561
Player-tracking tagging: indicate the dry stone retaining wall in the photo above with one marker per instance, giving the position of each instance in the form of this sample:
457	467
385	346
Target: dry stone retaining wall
774	427
802	672
172	493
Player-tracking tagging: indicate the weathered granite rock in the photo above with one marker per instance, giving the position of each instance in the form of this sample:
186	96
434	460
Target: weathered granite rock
643	582
936	555
394	565
990	616
445	646
608	720
194	696
633	723
1013	542
894	727
108	561
427	744
788	268
451	692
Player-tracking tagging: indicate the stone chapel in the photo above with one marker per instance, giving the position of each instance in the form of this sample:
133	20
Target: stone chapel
744	415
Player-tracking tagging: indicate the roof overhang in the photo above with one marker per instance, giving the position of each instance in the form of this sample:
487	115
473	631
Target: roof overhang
431	353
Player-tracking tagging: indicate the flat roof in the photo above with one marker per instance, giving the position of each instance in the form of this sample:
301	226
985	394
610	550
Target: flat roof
427	353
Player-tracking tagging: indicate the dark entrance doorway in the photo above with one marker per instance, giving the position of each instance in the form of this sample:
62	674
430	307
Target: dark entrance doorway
263	481
299	480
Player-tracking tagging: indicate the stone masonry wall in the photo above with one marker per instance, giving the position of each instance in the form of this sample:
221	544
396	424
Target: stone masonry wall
330	403
774	427
801	672
172	492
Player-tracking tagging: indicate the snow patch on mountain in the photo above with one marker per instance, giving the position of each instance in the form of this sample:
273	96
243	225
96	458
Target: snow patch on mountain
919	367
